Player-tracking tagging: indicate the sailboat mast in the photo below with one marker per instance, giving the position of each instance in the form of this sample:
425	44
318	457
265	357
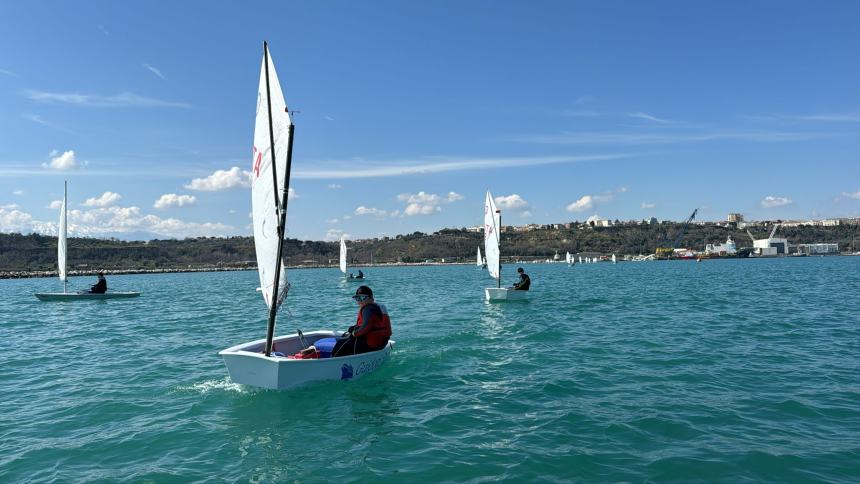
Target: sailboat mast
499	235
280	203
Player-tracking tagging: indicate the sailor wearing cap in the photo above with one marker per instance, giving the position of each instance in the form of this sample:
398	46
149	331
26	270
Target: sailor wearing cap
371	330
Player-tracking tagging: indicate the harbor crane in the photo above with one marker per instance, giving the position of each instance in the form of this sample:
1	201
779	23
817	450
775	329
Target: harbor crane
667	251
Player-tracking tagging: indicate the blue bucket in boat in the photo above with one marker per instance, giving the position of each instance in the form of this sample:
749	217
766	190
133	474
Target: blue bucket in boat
325	346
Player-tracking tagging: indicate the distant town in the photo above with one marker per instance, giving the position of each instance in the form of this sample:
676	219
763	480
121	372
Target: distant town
595	239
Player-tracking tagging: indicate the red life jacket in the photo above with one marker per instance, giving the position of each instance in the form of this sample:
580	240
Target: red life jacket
378	329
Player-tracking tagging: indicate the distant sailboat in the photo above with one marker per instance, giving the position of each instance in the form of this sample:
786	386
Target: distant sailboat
263	363
492	242
614	261
580	259
62	235
480	262
343	253
568	258
343	256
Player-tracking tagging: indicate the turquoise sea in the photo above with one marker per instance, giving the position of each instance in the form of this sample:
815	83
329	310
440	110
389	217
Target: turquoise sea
724	370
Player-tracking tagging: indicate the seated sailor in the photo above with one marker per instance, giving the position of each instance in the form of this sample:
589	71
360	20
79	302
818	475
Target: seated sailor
524	282
371	330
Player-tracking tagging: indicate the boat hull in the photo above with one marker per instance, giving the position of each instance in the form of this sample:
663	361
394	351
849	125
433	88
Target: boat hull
71	296
498	294
247	364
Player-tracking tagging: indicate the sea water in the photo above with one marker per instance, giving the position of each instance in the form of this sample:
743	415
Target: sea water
725	370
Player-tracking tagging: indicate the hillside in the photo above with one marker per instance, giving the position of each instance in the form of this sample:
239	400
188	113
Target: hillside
38	252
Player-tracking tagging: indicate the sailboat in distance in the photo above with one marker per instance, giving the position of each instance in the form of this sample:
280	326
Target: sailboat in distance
343	254
480	262
265	362
62	248
492	243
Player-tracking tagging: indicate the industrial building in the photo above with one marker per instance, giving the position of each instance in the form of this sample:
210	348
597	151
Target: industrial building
771	246
818	249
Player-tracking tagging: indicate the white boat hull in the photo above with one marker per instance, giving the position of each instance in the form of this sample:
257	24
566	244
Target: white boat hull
504	294
247	364
85	296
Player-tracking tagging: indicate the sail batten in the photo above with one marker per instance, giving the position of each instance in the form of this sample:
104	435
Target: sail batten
492	226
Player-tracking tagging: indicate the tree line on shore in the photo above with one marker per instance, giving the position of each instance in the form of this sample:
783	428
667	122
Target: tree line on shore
36	252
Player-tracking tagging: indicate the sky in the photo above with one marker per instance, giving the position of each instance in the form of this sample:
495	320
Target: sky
408	112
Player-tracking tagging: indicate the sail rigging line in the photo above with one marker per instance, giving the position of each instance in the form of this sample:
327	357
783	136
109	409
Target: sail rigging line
281	206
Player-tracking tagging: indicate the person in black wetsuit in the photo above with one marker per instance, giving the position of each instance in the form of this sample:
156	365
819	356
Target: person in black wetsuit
524	282
360	275
101	286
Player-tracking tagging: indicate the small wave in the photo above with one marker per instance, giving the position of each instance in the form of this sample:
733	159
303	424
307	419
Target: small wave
207	386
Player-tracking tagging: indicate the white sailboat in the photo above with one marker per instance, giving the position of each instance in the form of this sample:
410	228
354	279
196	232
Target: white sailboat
569	259
262	363
343	252
614	260
480	262
492	239
62	235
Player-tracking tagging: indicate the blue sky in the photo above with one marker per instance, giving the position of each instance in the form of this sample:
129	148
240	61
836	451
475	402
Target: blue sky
409	111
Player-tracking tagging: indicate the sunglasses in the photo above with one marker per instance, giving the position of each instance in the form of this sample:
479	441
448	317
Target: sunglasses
360	297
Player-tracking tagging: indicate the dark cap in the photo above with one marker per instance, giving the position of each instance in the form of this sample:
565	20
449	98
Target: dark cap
520	269
363	291
100	273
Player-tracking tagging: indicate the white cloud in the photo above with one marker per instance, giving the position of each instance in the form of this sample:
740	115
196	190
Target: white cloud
634	138
855	195
332	221
105	200
423	203
648	205
121	100
648	117
11	206
173	200
65	161
18	192
511	202
345	169
525	214
221	180
8	73
362	210
335	234
335	185
771	201
586	202
328	118
823	117
155	71
55	205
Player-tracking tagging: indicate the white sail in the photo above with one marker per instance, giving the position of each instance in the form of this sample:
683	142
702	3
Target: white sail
613	259
492	227
567	257
61	239
343	255
480	261
264	200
